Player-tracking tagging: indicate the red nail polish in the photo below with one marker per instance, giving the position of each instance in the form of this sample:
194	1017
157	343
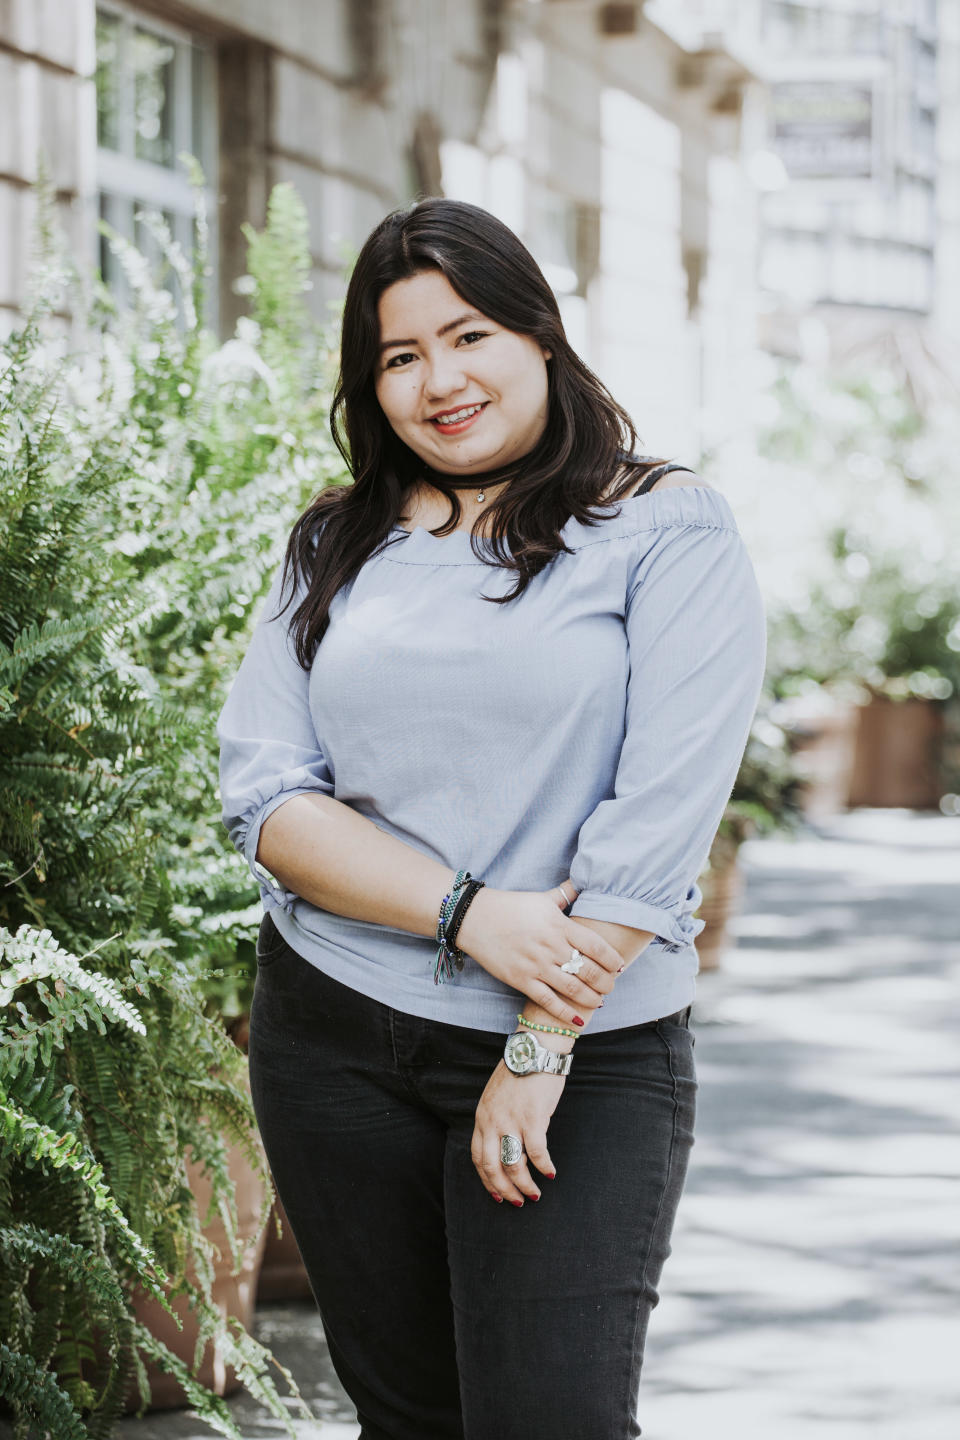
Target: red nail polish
534	1197
495	1196
621	970
551	1174
577	1020
518	1203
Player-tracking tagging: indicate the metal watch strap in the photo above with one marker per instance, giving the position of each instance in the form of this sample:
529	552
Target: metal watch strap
557	1063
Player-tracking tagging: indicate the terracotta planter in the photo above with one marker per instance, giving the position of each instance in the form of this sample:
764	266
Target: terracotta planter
722	885
897	761
234	1295
823	747
283	1275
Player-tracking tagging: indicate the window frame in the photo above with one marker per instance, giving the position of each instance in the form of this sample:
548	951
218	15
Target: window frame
127	183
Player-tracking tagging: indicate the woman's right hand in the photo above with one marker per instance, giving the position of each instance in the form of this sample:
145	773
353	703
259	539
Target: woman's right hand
523	938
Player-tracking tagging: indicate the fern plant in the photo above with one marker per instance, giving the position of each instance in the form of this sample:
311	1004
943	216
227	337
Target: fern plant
222	446
147	479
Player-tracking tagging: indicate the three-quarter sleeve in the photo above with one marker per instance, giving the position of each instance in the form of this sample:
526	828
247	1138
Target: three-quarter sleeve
269	750
696	637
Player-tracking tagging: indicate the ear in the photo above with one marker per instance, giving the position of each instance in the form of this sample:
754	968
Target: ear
547	354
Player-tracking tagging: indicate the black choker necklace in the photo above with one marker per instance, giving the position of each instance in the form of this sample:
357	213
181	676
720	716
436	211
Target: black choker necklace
478	481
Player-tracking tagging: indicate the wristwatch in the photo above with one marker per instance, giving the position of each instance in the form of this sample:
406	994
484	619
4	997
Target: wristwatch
524	1055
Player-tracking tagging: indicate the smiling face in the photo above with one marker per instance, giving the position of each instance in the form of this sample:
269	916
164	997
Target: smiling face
441	357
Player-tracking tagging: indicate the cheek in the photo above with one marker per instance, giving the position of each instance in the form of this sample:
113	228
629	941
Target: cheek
394	401
531	391
529	378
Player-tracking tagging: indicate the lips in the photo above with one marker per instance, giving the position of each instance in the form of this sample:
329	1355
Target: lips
458	426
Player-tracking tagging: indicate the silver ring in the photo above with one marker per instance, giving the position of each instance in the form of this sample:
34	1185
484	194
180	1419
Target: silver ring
574	965
511	1150
564	893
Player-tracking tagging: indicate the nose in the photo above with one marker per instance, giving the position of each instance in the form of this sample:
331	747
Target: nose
444	377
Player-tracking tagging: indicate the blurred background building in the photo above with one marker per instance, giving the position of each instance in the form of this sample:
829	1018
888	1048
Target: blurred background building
702	180
611	146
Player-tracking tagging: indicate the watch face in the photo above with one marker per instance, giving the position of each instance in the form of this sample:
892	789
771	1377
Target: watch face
521	1053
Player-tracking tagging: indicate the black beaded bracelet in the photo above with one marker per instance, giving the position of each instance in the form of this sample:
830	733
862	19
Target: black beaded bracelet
448	956
463	904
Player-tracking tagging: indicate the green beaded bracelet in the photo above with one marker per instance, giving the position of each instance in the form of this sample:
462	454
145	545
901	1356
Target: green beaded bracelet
547	1029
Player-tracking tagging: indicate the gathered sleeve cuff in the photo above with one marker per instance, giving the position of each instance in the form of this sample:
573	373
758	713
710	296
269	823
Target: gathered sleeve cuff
674	925
696	637
269	749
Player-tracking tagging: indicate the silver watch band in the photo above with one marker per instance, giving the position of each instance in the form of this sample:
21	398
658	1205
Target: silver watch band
553	1063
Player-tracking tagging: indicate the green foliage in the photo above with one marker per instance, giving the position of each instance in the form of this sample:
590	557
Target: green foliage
767	792
35	1394
279	264
148	478
870	482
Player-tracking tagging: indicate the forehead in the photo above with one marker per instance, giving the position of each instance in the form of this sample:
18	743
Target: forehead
417	299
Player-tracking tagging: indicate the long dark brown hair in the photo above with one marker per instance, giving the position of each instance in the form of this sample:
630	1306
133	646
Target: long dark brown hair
587	444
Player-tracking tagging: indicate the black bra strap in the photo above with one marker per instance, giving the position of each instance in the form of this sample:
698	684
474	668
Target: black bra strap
657	473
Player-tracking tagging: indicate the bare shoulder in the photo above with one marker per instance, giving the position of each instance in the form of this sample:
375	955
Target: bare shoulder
677	478
673	480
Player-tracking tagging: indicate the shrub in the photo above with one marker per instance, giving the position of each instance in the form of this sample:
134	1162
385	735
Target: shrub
148	478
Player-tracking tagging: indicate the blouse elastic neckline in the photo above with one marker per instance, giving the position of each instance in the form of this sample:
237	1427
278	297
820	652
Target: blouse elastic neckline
699	505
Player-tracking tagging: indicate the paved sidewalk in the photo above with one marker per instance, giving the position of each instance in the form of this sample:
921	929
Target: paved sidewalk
813	1285
814	1282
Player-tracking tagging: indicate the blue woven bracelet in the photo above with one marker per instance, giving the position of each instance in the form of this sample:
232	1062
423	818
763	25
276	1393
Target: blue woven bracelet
449	958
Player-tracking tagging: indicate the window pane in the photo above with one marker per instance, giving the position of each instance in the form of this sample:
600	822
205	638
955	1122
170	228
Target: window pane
108	80
199	107
153	97
151	248
117	210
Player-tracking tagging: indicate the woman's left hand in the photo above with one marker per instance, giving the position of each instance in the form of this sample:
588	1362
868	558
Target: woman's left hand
518	1105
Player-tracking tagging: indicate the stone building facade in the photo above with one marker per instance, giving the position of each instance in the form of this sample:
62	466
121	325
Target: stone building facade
860	169
613	148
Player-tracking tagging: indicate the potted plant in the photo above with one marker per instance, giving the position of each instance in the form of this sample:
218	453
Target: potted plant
864	603
146	480
889	647
765	797
109	1068
236	437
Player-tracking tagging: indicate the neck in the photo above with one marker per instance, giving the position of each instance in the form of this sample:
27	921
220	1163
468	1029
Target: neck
477	481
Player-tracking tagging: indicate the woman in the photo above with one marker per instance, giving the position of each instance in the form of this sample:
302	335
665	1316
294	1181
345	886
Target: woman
511	652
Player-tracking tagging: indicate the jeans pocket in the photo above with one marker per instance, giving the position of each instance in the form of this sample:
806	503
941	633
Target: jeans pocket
270	943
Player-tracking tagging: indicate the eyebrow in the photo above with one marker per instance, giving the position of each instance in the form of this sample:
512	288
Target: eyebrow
444	330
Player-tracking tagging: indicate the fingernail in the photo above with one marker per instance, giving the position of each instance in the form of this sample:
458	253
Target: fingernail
495	1196
621	970
518	1203
577	1020
534	1197
551	1174
601	1005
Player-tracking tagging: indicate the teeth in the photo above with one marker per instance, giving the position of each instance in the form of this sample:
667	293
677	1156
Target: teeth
457	415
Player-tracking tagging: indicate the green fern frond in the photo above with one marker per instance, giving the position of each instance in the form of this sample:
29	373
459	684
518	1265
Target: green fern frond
28	1244
35	1394
38	643
209	1407
32	955
37	1144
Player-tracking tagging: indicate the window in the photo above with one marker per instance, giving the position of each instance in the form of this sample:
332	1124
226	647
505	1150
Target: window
156	98
808	28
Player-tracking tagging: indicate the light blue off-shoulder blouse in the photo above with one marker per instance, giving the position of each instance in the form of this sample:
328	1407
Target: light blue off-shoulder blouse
592	728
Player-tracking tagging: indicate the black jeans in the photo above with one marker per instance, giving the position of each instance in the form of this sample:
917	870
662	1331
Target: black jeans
448	1316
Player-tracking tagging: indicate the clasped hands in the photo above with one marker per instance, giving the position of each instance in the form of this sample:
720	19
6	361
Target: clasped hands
523	938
